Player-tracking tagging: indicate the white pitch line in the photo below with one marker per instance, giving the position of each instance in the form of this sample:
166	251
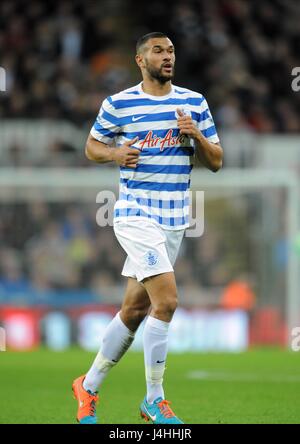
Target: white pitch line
247	377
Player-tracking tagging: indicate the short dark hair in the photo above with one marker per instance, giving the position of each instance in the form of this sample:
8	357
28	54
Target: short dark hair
152	35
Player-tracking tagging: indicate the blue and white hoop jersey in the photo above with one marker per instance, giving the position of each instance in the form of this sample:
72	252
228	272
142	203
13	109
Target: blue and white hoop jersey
158	188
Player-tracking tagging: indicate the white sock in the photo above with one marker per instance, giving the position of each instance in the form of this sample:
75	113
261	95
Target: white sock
155	353
116	341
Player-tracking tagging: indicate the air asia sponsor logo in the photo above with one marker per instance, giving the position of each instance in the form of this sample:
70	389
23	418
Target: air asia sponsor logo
152	141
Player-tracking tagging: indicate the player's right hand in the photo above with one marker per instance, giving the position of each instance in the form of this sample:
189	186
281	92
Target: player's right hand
126	156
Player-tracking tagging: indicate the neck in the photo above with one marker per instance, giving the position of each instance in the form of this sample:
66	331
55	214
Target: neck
155	88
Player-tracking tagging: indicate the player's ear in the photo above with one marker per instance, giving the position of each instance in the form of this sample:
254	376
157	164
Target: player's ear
139	60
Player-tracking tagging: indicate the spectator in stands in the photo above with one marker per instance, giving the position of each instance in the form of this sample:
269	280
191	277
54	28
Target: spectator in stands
61	60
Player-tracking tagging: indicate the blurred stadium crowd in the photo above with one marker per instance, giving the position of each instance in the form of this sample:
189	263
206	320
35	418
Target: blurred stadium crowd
63	58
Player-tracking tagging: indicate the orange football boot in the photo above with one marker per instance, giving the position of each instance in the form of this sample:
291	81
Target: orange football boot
87	402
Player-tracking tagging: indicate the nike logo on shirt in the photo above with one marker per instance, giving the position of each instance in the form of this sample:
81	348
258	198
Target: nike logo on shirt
134	119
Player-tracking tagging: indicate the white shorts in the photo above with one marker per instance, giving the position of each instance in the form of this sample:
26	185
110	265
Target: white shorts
151	249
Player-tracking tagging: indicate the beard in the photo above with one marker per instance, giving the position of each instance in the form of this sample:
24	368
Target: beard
157	73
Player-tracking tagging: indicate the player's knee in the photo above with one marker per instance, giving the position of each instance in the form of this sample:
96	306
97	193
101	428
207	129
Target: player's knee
171	305
133	316
139	313
166	307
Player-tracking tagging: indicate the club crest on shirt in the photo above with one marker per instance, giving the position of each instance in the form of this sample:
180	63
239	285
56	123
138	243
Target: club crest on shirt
186	112
151	258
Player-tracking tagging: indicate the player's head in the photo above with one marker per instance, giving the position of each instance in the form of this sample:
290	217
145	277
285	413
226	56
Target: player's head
155	56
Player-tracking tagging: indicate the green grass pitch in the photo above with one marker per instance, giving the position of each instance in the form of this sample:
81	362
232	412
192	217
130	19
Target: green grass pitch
259	386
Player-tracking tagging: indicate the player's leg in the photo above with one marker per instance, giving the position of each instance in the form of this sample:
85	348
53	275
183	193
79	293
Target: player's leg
152	252
119	334
135	306
163	295
116	341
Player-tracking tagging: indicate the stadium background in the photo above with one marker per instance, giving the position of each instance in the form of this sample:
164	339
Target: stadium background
60	277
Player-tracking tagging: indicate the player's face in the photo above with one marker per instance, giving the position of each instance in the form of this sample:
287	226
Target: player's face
158	59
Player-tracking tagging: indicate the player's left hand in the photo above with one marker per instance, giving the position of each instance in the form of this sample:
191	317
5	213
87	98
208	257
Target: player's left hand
186	125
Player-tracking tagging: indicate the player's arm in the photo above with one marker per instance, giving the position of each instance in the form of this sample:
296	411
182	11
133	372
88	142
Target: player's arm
102	153
209	154
99	145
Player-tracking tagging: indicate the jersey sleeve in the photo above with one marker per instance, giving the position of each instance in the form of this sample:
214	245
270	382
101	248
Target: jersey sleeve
206	123
106	126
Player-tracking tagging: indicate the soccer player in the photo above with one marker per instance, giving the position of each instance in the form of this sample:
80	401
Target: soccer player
152	131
